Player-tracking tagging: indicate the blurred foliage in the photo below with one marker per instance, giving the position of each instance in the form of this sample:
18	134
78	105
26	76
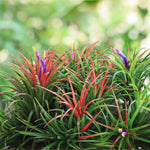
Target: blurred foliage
53	23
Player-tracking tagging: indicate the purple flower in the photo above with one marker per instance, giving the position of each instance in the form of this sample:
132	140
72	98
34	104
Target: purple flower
37	54
124	58
120	130
123	133
71	51
43	63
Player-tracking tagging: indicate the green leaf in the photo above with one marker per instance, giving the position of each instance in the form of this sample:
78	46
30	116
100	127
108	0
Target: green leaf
111	115
142	139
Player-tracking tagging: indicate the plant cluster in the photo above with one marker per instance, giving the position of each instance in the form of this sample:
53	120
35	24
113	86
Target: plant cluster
80	99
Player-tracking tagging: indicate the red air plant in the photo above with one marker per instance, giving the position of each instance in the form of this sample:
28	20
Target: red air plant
79	106
43	70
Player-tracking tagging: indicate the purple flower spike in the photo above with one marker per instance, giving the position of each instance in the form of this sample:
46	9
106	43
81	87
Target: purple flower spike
37	54
42	67
124	58
43	62
71	51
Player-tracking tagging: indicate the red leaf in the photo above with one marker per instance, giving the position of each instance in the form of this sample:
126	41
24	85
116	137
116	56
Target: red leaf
115	142
118	109
90	47
94	76
83	91
143	53
102	84
111	48
90	103
86	92
65	95
89	136
73	94
100	66
54	71
132	134
76	74
130	146
111	88
82	52
126	114
106	126
93	119
56	118
69	105
31	67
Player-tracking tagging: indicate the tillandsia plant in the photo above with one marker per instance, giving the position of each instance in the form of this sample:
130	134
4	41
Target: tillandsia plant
22	98
126	125
77	99
44	70
130	70
40	71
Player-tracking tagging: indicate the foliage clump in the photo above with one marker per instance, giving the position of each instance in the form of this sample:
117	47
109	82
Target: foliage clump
95	98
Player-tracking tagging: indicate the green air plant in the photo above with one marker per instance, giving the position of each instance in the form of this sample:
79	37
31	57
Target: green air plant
60	134
131	71
124	125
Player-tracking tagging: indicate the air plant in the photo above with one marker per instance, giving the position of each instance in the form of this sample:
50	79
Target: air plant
129	71
124	134
43	71
45	68
76	103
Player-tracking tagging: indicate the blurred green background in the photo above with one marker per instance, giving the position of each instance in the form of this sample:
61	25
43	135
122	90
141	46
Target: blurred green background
57	23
